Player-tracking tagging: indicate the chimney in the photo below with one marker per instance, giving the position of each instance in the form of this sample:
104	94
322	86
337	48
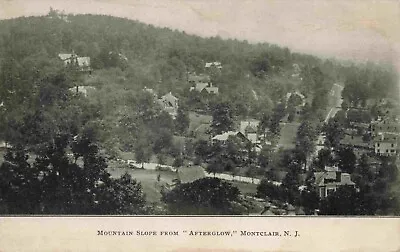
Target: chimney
338	176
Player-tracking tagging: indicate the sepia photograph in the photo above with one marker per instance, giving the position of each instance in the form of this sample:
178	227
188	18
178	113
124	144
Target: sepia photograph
270	108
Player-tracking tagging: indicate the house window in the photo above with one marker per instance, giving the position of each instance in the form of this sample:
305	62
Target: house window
378	144
387	150
330	191
392	151
392	145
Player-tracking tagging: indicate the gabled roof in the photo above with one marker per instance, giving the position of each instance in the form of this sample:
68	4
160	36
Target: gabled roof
216	64
252	123
200	86
332	178
224	136
170	96
65	56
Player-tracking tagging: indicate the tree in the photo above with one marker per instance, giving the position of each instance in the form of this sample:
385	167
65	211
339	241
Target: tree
215	166
143	150
222	118
347	160
324	158
334	133
309	199
182	120
203	196
345	201
123	195
305	141
202	149
56	184
268	190
251	172
277	114
265	156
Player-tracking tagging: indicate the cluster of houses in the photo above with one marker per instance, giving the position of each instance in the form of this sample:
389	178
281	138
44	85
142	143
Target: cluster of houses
385	134
202	82
248	132
378	138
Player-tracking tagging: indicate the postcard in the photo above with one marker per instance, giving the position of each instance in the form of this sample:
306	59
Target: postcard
190	125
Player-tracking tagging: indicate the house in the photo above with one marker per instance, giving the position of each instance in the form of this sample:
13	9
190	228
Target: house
82	89
251	125
151	91
120	56
328	181
248	132
296	71
387	125
223	138
201	83
69	59
249	128
169	103
385	144
4	145
357	143
385	133
215	64
208	87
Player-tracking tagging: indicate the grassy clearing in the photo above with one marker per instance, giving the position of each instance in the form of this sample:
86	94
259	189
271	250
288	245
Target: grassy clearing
245	188
288	135
148	179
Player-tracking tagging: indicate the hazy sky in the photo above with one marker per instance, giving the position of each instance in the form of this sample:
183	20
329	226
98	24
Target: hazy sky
358	29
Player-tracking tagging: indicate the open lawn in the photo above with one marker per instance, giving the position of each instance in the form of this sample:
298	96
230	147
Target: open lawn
196	120
245	188
148	179
288	135
199	125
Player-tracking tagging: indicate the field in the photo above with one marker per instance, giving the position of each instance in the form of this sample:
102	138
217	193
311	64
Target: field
288	135
148	178
199	125
245	188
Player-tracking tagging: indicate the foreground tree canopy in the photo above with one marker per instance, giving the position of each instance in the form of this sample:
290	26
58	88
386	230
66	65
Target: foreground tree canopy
204	196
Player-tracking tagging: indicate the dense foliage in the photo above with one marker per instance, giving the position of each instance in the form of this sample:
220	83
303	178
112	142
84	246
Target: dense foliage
57	136
204	196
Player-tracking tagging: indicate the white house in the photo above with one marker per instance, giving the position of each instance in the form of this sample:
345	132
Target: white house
328	181
169	103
